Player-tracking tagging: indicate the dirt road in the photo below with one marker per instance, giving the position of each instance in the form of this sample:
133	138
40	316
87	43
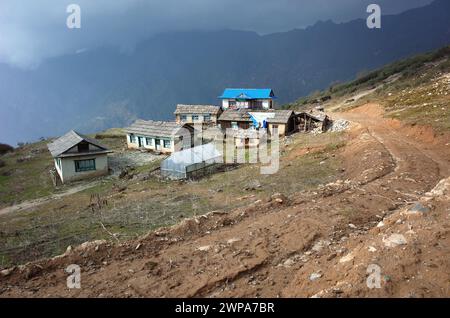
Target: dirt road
311	244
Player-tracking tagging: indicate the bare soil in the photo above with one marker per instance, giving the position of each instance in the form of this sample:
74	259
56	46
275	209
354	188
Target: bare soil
272	247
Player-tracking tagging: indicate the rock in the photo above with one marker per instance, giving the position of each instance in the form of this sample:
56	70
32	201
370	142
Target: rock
233	240
347	258
278	197
7	272
314	276
138	246
418	208
90	244
372	249
204	248
441	190
69	249
320	245
339	125
289	262
352	226
395	240
380	224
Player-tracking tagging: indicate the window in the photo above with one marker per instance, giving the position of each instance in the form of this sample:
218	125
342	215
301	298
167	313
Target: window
132	139
257	104
84	165
167	143
234	125
232	103
207	117
194	117
149	141
183	117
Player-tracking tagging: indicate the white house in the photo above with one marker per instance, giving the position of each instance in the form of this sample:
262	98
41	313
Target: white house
248	98
196	114
78	157
161	136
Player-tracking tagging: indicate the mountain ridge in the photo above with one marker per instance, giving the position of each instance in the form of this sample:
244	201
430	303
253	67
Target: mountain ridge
101	88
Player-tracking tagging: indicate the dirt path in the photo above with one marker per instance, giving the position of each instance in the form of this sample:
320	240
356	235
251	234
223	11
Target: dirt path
37	202
282	246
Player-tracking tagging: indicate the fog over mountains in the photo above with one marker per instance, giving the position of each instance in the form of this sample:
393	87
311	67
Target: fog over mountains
102	88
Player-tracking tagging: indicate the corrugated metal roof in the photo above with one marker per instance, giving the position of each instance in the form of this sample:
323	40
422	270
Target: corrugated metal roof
248	93
154	128
69	140
197	109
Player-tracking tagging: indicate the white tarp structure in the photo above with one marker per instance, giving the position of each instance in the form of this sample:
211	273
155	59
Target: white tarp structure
183	164
260	118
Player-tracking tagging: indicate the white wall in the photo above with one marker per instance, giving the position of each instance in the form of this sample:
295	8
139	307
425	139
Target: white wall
68	173
152	146
225	104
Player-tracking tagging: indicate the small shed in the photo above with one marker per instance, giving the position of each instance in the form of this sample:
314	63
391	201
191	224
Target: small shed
191	163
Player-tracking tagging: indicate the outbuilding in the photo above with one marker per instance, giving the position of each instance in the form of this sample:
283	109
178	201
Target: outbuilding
77	157
191	163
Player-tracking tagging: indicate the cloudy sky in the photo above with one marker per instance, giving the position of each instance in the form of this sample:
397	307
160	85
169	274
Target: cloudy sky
33	30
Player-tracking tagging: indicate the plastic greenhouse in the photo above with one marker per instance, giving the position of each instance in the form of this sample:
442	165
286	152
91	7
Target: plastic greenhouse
192	162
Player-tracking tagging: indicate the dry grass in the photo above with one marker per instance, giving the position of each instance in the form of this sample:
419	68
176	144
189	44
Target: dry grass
145	205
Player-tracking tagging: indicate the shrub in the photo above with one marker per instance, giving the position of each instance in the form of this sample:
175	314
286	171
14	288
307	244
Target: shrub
4	148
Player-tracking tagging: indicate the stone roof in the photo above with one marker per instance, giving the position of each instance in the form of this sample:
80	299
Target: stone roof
154	128
235	115
197	109
281	116
69	140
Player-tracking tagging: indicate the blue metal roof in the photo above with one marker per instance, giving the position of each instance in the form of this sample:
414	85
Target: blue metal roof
248	93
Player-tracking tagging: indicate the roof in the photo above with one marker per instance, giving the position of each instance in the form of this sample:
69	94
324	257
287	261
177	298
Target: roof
280	115
197	109
248	93
235	115
198	154
154	128
315	116
71	139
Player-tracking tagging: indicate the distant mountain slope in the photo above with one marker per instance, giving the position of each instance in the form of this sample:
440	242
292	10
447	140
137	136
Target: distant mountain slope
103	88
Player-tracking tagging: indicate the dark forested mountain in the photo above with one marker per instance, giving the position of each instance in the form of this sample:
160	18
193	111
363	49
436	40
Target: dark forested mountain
101	88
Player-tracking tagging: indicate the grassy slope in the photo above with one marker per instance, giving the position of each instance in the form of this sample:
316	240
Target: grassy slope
148	204
414	90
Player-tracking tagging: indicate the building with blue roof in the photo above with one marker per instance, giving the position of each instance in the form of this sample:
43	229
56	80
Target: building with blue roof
247	98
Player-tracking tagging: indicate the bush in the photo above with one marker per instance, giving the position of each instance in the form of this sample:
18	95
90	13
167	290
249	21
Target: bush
2	163
4	148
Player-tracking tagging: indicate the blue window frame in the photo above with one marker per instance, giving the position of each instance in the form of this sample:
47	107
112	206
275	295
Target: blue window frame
84	165
132	139
183	117
167	143
195	117
207	117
